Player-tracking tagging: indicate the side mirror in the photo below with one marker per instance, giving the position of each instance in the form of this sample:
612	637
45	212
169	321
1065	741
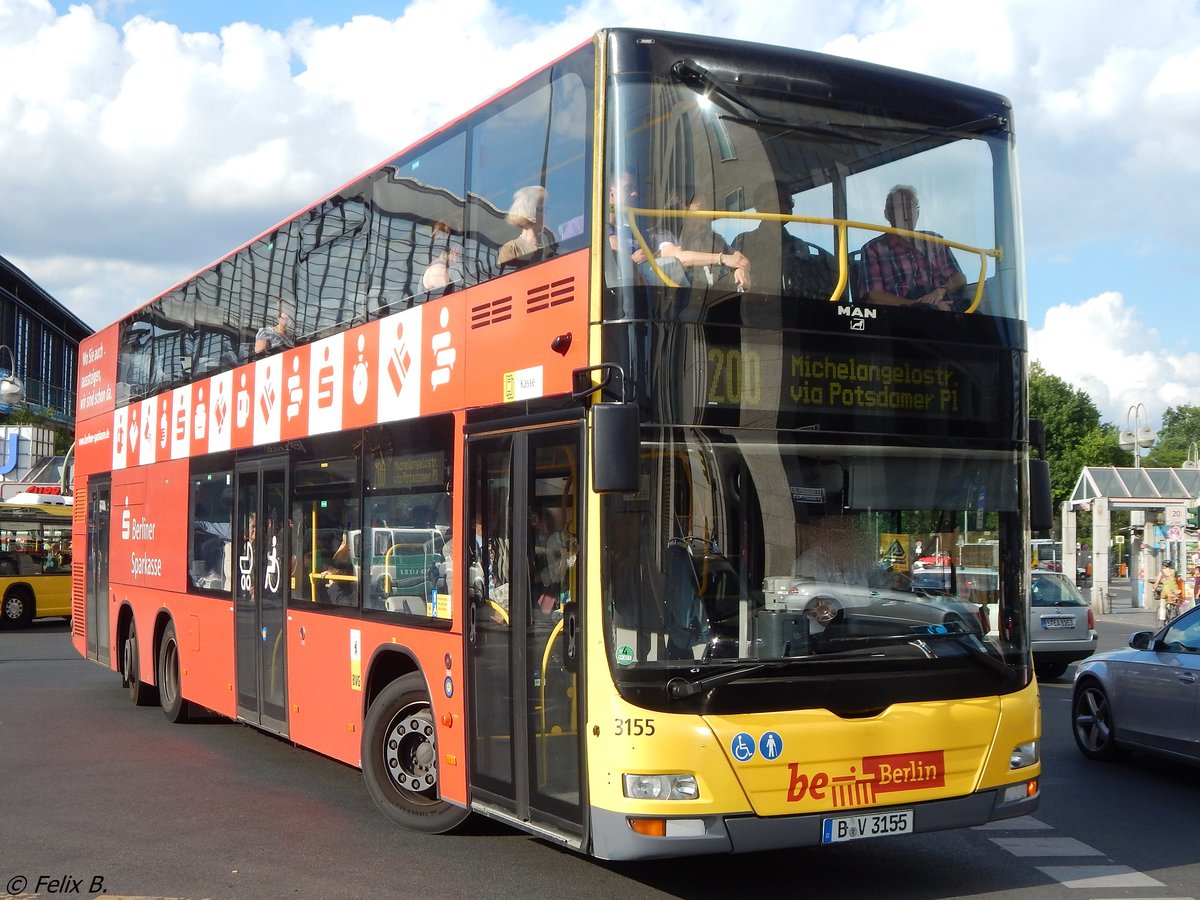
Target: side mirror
1141	640
616	447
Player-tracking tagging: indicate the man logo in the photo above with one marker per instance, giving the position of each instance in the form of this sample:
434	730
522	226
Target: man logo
858	316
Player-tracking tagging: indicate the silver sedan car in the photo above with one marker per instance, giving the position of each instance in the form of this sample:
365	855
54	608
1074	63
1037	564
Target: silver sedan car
1142	697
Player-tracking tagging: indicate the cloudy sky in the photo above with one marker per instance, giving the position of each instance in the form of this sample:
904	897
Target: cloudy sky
141	140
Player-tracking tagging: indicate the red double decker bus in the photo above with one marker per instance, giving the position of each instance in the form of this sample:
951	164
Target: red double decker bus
565	467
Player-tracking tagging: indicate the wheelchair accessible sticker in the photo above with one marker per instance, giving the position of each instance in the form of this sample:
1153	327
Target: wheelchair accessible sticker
742	747
770	745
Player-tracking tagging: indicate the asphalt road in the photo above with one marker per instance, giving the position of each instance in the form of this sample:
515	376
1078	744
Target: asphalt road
98	797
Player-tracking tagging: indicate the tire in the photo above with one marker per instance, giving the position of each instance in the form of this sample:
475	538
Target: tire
400	761
170	693
1092	723
17	609
1050	671
140	693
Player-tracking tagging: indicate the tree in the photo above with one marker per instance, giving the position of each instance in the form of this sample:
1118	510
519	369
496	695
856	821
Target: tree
1075	438
1180	429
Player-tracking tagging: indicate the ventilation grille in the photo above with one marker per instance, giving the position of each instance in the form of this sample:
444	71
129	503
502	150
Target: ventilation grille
545	296
491	312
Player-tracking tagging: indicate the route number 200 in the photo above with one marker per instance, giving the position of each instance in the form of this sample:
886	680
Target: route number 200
734	377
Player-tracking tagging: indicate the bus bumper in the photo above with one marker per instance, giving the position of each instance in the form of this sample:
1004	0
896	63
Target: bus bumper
613	838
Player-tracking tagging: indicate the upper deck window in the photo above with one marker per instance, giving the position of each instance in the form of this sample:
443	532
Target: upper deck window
795	190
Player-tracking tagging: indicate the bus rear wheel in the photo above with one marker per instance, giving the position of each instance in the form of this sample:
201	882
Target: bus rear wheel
17	610
170	692
400	762
140	693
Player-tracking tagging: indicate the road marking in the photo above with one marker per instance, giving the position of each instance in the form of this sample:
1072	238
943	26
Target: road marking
1021	823
1045	846
1099	876
1086	877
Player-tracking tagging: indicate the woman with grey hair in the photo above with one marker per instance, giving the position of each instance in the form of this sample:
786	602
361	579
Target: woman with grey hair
535	242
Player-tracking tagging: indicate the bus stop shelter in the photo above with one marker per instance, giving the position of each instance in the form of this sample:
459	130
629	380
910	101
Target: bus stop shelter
1154	496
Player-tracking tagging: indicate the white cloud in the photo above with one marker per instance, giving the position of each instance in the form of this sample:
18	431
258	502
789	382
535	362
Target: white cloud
1106	348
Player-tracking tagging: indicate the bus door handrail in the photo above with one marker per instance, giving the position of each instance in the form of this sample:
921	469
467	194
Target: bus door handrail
554	633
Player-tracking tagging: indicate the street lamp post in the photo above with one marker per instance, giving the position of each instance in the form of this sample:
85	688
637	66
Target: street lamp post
1193	457
1137	435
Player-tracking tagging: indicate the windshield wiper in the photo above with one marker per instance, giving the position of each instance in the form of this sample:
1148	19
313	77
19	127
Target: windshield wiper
695	76
678	688
966	640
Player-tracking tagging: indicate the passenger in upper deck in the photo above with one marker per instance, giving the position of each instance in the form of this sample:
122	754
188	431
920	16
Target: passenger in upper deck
626	252
277	337
783	263
701	249
904	270
535	242
671	257
442	273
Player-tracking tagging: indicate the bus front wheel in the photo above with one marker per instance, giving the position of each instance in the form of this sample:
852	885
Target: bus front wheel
400	762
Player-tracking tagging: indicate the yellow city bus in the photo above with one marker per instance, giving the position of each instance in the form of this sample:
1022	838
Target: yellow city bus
35	562
556	470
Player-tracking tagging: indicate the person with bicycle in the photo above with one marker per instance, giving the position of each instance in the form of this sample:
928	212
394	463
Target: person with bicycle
1166	587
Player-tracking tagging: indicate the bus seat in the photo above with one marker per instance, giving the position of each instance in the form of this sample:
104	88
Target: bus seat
406	603
856	276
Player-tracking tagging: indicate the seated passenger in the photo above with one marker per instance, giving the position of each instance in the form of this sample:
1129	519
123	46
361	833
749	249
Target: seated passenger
276	337
703	252
442	273
904	269
340	587
535	242
628	262
783	263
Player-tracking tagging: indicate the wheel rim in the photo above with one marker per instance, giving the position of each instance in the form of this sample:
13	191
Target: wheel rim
130	661
409	752
822	610
170	673
1093	720
14	607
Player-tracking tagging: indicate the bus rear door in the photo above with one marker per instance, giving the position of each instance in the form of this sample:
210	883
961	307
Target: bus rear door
260	591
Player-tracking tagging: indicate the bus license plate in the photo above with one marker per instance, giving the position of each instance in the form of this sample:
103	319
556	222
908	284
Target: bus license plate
1058	622
867	825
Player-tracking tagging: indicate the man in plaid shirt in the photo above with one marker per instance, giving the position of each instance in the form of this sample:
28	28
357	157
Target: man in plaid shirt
905	270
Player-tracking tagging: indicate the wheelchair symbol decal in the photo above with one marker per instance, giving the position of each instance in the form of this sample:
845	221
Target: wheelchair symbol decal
742	747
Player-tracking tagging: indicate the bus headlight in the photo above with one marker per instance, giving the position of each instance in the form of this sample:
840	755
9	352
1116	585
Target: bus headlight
661	787
1024	755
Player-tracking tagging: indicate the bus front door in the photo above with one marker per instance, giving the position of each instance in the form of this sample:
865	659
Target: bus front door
260	591
525	627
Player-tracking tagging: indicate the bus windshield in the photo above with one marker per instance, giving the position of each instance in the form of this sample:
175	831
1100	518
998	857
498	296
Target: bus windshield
827	569
817	292
784	189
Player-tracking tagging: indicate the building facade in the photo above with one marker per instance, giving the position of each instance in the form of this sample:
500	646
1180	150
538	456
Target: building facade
44	337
